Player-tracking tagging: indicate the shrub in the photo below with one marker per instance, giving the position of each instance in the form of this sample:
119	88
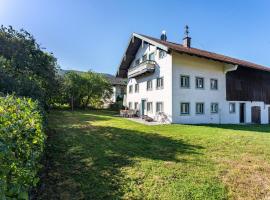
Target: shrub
22	140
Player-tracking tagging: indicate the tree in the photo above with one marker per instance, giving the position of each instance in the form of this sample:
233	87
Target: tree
85	89
25	68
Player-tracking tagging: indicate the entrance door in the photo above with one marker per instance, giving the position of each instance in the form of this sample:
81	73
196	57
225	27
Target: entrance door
256	114
143	107
242	112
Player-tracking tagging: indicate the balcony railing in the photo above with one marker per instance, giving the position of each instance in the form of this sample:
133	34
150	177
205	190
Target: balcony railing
143	68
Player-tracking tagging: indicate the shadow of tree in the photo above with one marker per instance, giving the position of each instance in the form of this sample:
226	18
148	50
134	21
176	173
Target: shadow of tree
86	160
245	127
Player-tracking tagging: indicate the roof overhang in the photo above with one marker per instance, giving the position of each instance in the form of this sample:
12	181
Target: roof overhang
135	41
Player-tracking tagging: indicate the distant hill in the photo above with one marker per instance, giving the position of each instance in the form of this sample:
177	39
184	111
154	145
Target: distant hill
111	78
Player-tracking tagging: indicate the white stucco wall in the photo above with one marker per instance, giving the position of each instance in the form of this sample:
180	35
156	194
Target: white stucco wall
163	69
170	68
199	67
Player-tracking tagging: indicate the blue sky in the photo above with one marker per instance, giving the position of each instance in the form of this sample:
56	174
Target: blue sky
86	34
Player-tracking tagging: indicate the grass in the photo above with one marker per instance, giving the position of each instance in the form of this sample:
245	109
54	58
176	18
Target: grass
94	155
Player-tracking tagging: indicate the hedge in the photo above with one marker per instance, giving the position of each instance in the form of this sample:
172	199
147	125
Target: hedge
22	141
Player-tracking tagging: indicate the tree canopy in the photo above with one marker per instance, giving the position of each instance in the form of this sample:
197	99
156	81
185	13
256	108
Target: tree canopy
26	69
85	89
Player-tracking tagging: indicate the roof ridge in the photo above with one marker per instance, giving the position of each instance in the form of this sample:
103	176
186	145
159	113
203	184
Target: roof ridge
208	54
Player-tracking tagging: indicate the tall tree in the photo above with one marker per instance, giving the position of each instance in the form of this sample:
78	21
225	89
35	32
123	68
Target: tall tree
25	68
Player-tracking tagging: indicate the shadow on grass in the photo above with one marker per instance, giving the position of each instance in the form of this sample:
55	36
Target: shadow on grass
86	162
241	127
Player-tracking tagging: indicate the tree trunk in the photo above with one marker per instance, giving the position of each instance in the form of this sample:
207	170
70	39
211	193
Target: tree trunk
72	103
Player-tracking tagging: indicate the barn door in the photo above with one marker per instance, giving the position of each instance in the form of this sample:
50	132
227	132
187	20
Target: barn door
242	112
256	114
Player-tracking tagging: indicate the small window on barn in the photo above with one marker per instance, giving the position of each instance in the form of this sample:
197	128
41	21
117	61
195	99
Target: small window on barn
232	107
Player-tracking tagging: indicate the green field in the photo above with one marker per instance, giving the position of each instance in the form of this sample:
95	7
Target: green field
94	155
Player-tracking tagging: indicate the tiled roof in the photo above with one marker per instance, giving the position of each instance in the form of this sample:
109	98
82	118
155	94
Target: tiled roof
206	54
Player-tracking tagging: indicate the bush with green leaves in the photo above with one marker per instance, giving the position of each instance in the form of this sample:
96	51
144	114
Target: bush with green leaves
22	141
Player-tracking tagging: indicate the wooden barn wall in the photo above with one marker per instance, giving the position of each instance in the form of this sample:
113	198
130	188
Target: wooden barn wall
246	84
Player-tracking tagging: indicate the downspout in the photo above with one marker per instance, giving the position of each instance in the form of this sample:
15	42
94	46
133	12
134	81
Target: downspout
229	68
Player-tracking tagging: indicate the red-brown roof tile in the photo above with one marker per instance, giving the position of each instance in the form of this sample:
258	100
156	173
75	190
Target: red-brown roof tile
206	54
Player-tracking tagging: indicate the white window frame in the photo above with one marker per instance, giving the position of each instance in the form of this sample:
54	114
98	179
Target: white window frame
151	83
203	108
211	106
162	106
213	79
184	76
130	89
129	105
196	86
149	109
234	108
136	106
162	83
184	113
137	89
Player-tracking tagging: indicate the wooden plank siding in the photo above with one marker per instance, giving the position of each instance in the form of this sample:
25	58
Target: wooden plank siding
247	84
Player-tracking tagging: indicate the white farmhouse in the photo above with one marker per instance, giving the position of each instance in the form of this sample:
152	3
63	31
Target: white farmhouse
181	84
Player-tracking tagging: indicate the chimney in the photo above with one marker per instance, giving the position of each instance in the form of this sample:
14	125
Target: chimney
163	36
187	39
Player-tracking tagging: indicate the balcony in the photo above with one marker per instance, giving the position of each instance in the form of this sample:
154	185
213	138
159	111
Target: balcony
146	67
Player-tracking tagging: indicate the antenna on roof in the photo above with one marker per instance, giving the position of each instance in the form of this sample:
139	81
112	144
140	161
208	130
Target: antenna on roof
186	30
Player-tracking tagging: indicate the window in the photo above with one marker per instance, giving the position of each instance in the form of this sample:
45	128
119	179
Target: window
232	107
159	83
199	83
214	107
152	56
184	108
199	108
149	107
137	87
159	107
136	106
184	81
213	84
162	54
130	89
130	105
137	62
149	85
144	58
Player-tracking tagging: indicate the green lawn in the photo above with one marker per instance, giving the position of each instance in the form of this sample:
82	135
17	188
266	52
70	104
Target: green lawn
94	155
